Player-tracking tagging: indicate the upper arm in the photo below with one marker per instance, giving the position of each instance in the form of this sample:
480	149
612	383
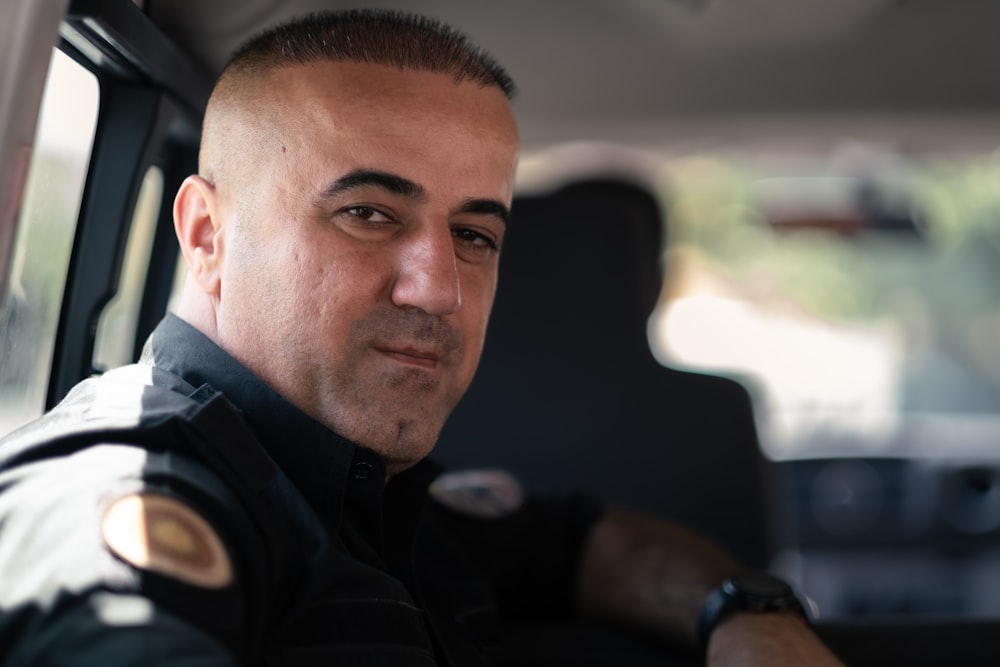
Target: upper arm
75	593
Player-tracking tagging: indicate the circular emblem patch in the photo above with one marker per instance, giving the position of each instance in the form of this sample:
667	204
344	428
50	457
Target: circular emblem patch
161	534
488	494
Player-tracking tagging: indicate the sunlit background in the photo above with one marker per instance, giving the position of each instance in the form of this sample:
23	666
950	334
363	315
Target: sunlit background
60	157
853	341
875	341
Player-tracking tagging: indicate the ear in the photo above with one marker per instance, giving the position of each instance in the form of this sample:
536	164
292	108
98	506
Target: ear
198	224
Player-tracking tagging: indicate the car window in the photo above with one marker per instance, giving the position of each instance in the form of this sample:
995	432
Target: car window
44	241
116	330
876	342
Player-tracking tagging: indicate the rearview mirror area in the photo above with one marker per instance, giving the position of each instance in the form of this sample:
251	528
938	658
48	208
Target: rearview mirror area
849	207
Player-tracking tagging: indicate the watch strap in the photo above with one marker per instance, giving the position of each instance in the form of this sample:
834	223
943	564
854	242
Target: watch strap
751	591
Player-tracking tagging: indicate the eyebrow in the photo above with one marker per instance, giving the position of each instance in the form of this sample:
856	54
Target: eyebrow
487	207
361	178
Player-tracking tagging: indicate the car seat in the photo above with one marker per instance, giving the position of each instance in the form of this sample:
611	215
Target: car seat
568	395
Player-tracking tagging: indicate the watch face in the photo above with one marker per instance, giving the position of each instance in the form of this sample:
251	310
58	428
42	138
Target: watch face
761	590
751	591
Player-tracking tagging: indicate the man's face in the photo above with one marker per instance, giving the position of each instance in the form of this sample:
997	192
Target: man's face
360	264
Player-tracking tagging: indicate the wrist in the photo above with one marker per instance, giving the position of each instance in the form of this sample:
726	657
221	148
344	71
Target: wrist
748	593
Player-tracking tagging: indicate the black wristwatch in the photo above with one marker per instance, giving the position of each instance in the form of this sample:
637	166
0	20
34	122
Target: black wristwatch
749	591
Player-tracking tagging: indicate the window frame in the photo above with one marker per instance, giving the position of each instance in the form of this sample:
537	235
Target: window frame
152	98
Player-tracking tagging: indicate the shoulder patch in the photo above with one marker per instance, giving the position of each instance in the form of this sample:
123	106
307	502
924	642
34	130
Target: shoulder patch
487	494
161	534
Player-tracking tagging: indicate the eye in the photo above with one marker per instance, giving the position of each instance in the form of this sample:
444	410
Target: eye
365	222
474	239
367	213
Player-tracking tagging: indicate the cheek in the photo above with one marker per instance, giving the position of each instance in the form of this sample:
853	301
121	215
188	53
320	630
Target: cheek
280	285
335	285
477	301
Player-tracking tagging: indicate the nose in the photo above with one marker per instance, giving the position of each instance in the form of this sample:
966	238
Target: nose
427	273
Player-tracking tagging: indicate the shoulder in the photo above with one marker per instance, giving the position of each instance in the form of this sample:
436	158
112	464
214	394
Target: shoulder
117	493
114	442
127	399
119	539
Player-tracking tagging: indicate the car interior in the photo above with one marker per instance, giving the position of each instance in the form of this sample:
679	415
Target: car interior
751	284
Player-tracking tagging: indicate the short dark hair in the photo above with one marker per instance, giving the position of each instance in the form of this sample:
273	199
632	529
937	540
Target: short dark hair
376	36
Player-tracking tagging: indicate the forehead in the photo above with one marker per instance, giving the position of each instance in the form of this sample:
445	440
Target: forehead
412	122
359	95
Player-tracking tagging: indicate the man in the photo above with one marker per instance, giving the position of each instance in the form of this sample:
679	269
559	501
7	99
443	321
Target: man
255	491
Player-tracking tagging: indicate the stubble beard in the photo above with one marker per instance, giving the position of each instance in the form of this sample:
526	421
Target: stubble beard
398	411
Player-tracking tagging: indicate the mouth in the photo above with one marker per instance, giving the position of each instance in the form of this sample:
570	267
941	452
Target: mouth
420	358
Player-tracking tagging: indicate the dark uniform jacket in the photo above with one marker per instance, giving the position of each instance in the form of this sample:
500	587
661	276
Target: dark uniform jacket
277	542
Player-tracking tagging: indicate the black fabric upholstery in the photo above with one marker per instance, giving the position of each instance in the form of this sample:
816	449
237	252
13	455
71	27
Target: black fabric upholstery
568	394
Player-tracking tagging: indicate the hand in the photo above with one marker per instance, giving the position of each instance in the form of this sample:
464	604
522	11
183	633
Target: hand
746	639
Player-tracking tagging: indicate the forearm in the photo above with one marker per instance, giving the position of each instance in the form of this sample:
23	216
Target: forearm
747	639
649	575
654	577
